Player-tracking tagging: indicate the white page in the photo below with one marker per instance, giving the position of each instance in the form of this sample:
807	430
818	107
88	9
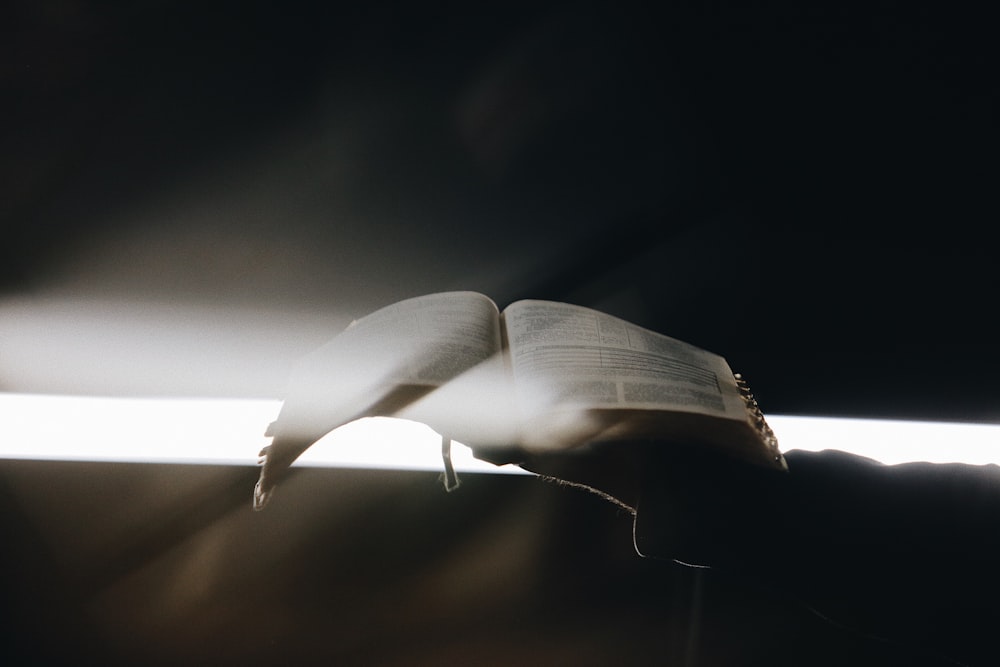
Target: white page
424	341
570	355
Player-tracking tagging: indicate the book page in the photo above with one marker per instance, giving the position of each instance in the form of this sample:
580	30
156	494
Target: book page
378	366
430	339
566	355
421	342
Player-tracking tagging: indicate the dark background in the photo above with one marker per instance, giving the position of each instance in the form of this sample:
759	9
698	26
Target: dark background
807	190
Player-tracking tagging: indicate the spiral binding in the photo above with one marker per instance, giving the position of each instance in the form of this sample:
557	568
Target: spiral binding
758	421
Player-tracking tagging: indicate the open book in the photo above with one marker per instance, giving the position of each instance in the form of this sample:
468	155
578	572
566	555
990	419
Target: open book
540	376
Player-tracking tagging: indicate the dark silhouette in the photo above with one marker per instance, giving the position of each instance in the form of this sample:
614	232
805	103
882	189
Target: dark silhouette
905	554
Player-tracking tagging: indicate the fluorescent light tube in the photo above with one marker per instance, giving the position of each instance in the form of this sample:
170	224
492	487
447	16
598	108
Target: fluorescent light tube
231	431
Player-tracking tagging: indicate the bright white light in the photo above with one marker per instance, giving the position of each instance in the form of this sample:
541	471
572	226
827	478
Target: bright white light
890	441
232	432
208	431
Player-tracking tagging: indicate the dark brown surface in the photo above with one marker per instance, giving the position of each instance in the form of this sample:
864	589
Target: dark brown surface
163	564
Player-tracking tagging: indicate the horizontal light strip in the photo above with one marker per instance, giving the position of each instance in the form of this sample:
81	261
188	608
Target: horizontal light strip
230	431
891	441
206	431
